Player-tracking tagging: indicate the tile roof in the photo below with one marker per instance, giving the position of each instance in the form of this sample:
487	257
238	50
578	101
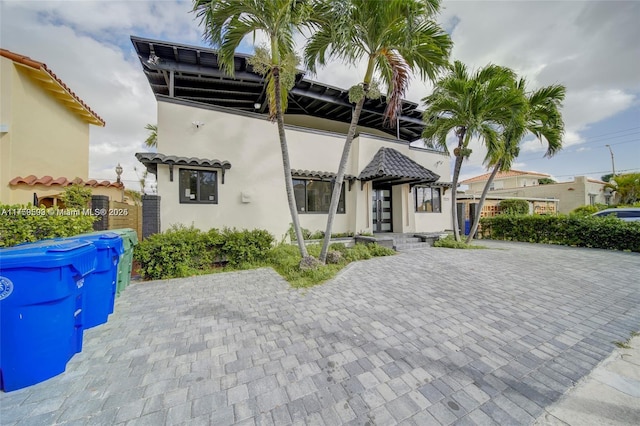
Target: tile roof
502	175
319	175
32	180
67	95
152	159
389	165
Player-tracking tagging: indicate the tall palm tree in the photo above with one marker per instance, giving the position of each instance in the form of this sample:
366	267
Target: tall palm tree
152	138
395	37
542	118
470	105
226	23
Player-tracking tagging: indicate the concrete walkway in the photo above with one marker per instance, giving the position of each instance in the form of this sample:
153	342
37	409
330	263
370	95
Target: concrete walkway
610	395
431	336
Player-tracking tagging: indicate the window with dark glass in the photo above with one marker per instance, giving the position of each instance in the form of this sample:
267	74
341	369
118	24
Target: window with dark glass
427	199
198	186
314	196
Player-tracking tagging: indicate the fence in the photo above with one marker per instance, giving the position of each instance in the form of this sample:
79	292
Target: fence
145	219
123	215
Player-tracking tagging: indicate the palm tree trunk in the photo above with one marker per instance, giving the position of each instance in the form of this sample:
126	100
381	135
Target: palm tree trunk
485	191
287	165
337	188
454	188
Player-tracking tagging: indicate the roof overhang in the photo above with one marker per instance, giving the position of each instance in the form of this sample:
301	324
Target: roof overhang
152	159
193	74
391	167
56	88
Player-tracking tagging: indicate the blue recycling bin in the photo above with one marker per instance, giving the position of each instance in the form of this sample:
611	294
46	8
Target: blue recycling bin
467	227
100	285
41	309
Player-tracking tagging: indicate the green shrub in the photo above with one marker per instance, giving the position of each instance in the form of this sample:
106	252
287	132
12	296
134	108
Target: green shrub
596	232
376	250
245	246
183	251
178	252
588	210
339	247
317	235
26	223
358	252
76	197
514	207
450	242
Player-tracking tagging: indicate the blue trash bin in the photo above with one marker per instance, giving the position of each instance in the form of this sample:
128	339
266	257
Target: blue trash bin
100	285
467	227
41	309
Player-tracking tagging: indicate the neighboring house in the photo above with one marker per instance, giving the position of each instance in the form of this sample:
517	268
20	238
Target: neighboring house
219	161
44	135
514	183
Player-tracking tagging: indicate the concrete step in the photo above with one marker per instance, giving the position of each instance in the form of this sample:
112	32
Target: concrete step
406	240
411	246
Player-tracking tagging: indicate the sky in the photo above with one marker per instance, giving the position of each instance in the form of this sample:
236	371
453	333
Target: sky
591	47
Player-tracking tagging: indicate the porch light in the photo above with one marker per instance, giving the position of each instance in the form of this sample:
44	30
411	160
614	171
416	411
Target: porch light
257	105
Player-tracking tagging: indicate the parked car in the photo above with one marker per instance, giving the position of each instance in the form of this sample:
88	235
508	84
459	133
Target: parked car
628	214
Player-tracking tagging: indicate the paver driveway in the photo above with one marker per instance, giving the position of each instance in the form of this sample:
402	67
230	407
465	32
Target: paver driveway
432	336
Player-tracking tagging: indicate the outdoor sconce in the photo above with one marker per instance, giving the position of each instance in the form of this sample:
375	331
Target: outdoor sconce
198	124
257	105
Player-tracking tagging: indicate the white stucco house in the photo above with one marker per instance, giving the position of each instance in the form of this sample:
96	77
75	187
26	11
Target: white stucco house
218	161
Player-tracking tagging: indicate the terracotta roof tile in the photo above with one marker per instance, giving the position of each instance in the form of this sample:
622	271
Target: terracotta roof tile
25	60
502	175
32	180
318	174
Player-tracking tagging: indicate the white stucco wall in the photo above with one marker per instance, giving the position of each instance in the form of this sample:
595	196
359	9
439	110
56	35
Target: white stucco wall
252	147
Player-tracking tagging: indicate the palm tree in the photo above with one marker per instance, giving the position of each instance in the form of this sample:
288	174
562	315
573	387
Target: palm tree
152	138
396	37
227	22
542	118
470	105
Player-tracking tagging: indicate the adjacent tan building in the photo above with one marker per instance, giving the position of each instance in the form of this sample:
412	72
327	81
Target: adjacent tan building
515	183
44	134
219	161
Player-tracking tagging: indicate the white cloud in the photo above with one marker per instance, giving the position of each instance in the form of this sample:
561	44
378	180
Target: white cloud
591	47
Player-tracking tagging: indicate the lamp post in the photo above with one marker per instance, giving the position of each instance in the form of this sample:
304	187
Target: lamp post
613	165
118	180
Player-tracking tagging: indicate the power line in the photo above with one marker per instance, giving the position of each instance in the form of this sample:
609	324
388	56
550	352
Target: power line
573	151
612	133
592	173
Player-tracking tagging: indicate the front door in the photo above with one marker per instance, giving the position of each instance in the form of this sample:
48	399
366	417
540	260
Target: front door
381	204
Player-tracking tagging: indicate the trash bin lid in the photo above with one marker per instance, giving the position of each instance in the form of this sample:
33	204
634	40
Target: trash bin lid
127	233
50	254
105	240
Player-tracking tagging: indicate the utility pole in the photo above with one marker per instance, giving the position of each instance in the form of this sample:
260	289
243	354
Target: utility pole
613	164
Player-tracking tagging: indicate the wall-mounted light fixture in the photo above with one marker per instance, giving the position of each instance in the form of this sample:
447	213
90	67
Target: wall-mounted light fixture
153	59
257	105
197	124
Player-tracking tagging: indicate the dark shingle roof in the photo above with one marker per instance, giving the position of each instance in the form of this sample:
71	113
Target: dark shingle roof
152	159
389	165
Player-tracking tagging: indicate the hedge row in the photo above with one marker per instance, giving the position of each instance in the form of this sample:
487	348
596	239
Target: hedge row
596	232
182	251
25	223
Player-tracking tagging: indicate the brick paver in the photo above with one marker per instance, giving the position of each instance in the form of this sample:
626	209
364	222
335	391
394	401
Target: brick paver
431	336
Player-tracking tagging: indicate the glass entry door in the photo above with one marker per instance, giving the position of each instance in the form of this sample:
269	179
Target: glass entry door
381	204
